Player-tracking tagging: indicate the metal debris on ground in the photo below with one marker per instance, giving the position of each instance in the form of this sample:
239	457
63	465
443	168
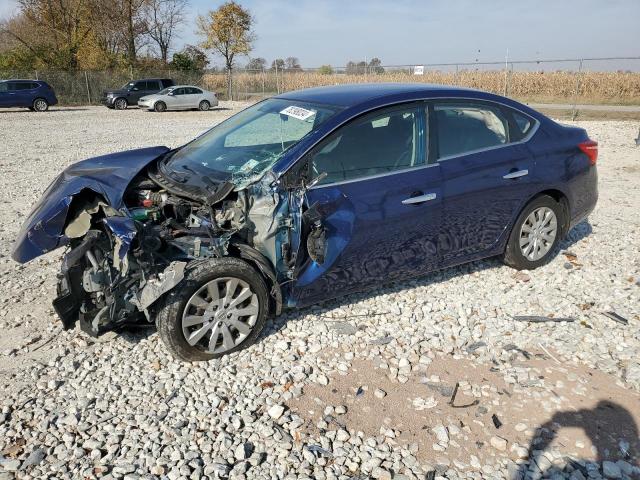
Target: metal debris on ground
616	318
475	346
317	449
541	319
496	421
514	348
344	328
381	340
453	395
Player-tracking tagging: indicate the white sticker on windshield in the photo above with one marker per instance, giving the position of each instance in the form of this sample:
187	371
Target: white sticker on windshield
249	165
298	112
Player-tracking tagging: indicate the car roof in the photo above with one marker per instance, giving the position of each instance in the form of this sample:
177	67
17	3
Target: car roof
182	86
349	95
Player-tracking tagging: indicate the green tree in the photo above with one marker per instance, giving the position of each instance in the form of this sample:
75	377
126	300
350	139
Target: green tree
228	31
256	64
325	70
190	59
277	64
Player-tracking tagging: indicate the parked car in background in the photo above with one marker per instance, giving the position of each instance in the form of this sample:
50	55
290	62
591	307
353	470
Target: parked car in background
302	198
35	95
132	92
179	97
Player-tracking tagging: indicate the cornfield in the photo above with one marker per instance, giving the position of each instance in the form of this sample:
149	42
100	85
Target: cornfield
559	86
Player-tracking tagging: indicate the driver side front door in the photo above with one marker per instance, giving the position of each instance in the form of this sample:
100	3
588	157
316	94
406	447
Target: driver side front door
375	214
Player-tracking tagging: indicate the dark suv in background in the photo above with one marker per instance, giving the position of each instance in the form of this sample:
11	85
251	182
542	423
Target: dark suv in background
35	95
133	91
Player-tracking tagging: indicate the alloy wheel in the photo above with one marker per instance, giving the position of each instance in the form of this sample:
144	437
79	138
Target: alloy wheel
220	315
538	233
121	104
40	105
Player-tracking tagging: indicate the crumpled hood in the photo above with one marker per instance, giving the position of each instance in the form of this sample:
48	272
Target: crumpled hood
107	175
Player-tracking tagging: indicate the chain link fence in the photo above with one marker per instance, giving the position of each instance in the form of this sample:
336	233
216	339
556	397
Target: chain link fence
569	81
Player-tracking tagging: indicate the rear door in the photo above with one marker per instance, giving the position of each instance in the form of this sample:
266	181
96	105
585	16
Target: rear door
487	174
194	95
178	99
375	216
23	94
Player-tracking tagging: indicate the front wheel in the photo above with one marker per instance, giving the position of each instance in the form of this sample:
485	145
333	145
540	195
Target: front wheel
218	308
120	104
40	105
535	235
204	106
160	106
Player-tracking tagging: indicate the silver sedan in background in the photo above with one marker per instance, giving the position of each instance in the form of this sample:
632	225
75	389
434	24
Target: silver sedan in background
179	97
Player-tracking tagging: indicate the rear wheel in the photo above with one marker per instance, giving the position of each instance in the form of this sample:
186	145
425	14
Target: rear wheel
204	106
40	105
120	104
535	235
160	106
218	308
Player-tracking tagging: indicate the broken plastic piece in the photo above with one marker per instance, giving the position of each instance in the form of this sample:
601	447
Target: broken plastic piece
319	450
154	289
540	319
616	318
496	421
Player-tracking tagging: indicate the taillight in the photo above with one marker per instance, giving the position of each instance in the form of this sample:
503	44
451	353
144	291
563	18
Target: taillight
590	149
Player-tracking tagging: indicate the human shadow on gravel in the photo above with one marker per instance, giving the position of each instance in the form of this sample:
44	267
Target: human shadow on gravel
577	233
612	432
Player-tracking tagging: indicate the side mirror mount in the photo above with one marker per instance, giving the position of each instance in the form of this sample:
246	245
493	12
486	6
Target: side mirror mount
321	176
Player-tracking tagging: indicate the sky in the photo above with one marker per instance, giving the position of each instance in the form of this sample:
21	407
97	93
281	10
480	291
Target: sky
410	32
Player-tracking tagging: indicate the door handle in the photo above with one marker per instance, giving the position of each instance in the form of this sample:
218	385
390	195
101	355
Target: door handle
516	174
419	199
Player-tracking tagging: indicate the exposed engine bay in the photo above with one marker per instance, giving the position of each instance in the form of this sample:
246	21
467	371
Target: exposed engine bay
121	261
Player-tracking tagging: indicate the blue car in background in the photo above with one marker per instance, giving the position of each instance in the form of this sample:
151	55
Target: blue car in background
35	95
302	198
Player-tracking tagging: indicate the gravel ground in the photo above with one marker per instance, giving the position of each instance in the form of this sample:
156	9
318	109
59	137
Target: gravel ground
358	388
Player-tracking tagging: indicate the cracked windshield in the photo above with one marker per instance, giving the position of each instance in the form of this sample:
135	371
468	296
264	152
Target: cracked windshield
248	144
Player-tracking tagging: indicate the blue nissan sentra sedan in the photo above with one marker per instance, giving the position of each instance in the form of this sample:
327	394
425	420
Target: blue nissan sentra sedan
302	198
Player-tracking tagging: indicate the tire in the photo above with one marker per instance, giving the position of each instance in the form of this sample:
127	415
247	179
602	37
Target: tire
160	107
120	103
40	105
180	304
529	236
204	106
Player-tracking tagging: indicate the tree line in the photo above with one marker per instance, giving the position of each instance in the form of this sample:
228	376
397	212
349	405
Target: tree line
74	35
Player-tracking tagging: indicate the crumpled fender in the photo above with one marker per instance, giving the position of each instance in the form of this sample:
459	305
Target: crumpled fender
338	216
107	176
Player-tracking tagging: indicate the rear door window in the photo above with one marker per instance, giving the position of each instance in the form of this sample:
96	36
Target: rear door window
463	127
153	85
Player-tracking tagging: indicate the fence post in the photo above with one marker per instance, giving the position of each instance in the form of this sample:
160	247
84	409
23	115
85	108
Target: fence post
574	112
277	82
262	75
86	82
37	75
